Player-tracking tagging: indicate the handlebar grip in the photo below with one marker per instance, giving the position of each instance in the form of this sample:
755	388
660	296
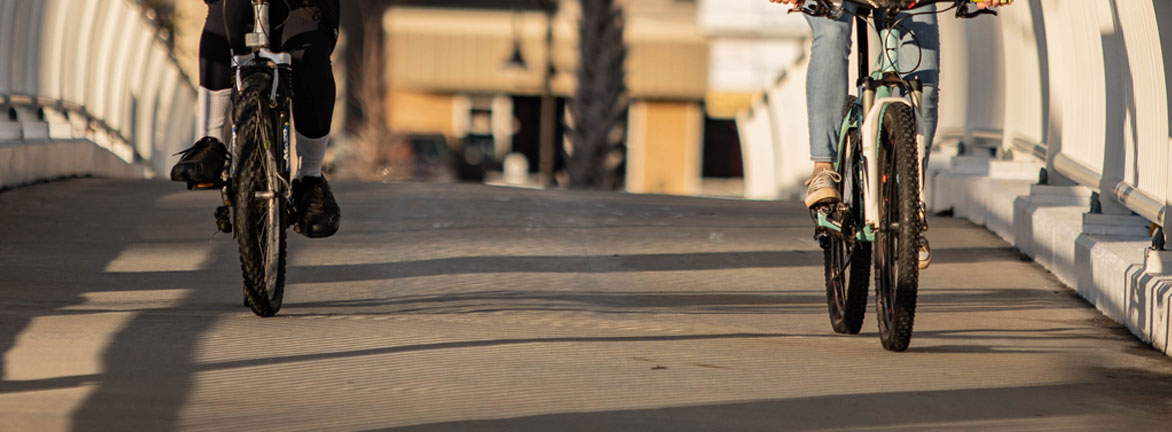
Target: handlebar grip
819	8
979	12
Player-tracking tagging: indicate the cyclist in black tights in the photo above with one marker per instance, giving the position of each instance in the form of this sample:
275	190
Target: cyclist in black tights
306	29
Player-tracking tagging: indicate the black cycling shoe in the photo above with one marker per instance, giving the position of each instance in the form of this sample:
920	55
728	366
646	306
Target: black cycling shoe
202	164
318	214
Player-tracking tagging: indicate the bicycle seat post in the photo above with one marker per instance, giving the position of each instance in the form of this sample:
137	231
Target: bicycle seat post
259	38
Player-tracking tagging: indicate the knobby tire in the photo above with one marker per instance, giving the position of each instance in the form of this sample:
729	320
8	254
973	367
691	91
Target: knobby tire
897	242
847	264
263	268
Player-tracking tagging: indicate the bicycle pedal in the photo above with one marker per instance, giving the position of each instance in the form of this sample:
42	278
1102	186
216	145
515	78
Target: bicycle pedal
825	241
223	219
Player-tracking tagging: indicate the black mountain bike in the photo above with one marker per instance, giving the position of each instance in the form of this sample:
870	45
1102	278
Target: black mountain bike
256	183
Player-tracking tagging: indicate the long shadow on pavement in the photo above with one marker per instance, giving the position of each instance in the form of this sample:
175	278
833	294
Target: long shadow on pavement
147	368
1052	407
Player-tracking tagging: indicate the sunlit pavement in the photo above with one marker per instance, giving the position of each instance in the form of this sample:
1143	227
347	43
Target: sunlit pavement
462	307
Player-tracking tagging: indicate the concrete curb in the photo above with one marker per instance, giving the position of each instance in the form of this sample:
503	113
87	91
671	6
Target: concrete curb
1102	257
25	162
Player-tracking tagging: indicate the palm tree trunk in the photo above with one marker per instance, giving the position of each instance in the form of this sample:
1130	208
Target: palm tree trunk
599	108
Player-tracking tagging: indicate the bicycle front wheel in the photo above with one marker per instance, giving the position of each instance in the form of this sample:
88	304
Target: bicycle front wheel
897	242
259	206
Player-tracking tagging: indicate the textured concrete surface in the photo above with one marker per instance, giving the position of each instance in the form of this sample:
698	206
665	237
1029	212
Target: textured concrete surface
460	307
1101	256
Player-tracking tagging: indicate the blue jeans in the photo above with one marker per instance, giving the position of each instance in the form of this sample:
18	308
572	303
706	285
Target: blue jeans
826	79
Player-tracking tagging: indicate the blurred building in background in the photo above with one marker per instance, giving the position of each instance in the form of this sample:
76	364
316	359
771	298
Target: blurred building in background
691	66
449	72
751	42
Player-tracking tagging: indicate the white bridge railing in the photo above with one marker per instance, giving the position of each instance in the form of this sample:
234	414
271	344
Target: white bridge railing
1084	90
1080	85
96	71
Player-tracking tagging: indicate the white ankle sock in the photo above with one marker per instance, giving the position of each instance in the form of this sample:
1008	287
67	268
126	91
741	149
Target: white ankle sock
311	151
213	113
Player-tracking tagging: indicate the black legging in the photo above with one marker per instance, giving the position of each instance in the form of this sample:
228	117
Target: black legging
308	32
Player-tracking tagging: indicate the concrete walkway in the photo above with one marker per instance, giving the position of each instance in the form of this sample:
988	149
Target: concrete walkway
460	307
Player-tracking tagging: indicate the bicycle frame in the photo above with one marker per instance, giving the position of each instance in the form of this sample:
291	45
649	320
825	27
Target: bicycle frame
878	91
888	63
262	57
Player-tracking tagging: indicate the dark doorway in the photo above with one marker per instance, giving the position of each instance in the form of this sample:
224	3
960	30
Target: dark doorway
527	139
722	149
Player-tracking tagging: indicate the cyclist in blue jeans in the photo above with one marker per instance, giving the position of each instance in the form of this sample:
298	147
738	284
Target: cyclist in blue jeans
827	81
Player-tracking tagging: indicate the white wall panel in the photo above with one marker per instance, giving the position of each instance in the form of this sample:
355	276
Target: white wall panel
53	46
954	75
79	51
19	47
147	115
7	32
1075	30
1146	127
136	76
787	110
757	149
28	31
119	65
1022	76
972	82
105	40
164	120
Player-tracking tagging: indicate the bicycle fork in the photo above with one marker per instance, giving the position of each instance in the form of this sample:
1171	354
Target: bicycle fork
877	94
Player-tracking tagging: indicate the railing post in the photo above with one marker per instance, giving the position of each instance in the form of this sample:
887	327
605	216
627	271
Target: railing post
1159	258
1166	218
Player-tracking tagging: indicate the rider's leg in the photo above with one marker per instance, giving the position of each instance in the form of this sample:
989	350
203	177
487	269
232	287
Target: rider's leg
215	64
826	90
926	48
309	36
224	31
204	160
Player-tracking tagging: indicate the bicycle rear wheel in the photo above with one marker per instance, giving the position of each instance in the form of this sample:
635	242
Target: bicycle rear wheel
847	264
259	206
897	242
847	272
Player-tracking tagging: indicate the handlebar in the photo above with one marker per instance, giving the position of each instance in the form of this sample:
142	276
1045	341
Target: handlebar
826	8
962	11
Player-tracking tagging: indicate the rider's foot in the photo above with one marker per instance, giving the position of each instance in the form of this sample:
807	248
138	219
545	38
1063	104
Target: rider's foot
203	162
822	188
317	212
925	253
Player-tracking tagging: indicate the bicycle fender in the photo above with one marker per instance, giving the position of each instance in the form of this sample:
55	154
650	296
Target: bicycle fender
870	135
